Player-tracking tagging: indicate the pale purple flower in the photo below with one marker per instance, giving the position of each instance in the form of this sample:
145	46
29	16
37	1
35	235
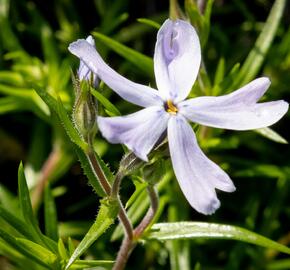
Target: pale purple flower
84	73
176	63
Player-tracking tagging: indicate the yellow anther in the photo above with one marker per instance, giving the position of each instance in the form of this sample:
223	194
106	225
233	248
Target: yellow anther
170	107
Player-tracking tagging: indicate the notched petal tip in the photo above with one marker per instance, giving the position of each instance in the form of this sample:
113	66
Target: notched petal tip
211	207
74	46
176	59
198	176
90	40
223	182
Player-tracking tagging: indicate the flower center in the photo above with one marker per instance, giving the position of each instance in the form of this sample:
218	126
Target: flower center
170	107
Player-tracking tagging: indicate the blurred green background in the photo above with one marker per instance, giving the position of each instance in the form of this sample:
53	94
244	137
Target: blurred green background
34	36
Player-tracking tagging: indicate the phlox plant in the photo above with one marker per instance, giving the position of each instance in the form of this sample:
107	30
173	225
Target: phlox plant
157	198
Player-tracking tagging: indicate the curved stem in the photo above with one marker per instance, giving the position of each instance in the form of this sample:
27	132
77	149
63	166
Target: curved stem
97	168
143	225
123	255
127	225
107	188
129	244
116	185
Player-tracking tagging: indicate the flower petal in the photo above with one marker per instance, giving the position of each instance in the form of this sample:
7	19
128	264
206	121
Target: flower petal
138	131
177	59
238	110
136	93
197	175
84	73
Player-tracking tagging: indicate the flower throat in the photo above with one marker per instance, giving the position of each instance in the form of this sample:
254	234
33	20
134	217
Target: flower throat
170	107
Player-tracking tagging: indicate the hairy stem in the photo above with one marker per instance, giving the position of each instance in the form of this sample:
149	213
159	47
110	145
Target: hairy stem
116	185
127	225
99	172
97	168
125	250
143	225
107	188
129	244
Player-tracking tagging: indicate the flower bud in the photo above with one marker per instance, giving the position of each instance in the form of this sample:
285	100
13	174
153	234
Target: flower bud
85	110
85	107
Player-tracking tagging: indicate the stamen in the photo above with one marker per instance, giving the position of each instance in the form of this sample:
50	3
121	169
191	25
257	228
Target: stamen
170	107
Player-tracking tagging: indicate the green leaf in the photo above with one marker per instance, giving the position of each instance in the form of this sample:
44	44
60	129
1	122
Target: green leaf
149	22
71	246
84	264
108	105
45	255
11	77
26	249
15	222
27	98
15	256
281	264
7	37
257	55
107	214
179	252
203	230
200	21
220	72
12	104
140	60
27	212
139	187
57	106
48	45
271	135
50	214
24	199
227	82
62	250
8	200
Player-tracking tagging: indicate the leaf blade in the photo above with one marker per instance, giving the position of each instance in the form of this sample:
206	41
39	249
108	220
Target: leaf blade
50	215
143	62
203	230
107	214
257	55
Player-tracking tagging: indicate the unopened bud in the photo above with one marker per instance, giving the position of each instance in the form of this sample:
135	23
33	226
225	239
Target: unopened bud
85	107
85	110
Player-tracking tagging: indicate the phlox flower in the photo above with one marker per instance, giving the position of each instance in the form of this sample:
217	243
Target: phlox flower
84	72
177	60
